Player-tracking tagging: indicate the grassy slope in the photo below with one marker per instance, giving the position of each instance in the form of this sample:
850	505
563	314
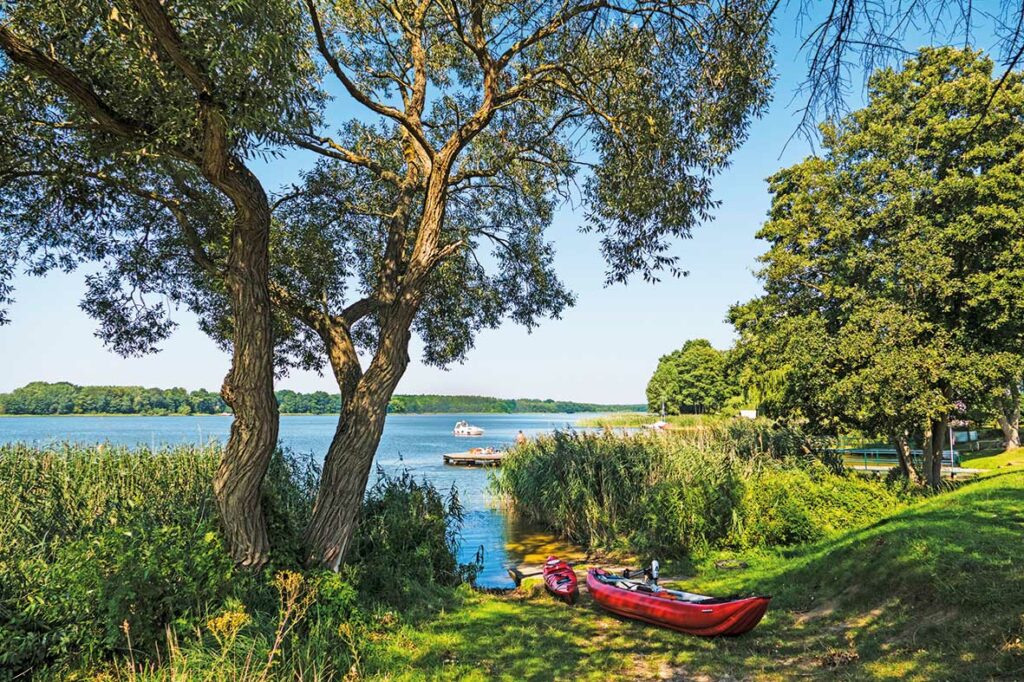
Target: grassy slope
933	592
995	459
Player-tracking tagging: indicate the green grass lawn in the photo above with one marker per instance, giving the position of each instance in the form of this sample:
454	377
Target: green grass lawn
935	592
995	459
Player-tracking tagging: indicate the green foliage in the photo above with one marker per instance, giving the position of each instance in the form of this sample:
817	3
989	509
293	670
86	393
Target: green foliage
639	419
932	591
100	537
677	496
106	547
894	289
469	404
693	379
127	142
407	540
795	505
40	397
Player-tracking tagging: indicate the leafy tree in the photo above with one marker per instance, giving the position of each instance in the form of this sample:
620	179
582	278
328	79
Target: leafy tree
127	129
427	212
693	379
893	283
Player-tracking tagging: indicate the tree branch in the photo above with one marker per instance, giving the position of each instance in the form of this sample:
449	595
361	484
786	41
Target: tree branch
353	89
77	89
336	151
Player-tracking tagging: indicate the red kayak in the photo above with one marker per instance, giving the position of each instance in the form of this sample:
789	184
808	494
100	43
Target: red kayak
693	614
560	580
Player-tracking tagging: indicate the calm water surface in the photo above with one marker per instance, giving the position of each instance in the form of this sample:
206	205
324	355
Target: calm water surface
415	442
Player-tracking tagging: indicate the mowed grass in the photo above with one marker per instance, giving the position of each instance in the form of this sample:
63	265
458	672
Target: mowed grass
934	592
996	459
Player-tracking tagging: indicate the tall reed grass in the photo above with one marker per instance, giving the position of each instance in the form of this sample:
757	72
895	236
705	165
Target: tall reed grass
111	558
678	495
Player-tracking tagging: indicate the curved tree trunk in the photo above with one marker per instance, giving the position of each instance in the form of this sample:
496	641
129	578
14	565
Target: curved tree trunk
249	390
346	471
360	424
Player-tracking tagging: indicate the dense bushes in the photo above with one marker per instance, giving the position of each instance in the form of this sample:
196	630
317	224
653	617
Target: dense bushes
672	496
102	548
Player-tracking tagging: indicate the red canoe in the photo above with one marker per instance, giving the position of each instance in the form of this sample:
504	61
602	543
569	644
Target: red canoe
560	580
694	614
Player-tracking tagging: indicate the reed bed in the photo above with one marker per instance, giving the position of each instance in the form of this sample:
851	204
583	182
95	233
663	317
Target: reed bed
111	559
682	494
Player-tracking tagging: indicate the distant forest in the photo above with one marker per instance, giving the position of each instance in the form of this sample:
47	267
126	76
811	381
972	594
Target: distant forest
42	398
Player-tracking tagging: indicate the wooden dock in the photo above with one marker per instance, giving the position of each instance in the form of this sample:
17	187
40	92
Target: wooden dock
477	457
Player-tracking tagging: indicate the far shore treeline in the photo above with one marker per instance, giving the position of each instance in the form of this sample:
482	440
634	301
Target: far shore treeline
44	398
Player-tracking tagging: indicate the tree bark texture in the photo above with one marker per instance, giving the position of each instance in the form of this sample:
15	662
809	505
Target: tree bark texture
350	455
934	446
249	385
905	458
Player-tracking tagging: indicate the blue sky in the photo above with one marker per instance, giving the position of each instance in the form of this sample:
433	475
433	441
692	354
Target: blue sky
603	350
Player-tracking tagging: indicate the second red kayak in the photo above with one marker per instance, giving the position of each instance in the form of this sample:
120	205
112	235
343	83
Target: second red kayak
694	614
560	580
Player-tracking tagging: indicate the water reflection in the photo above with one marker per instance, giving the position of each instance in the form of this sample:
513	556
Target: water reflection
508	541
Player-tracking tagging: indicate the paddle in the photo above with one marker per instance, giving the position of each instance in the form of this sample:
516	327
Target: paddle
517	575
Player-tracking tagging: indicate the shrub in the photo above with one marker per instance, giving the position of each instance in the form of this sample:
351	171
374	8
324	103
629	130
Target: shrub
407	539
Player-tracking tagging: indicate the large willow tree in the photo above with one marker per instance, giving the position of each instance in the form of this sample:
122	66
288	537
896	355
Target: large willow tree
126	130
428	210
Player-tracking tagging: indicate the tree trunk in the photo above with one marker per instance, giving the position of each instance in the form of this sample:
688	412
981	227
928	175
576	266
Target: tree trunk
934	445
350	456
346	471
905	458
249	390
1009	419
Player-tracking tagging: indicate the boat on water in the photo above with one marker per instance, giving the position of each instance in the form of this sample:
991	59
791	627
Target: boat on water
694	614
475	457
464	428
560	580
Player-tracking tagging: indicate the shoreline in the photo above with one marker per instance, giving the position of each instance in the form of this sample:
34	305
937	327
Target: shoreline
299	414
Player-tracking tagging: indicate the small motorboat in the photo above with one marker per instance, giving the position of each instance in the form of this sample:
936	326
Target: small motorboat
477	457
464	428
560	580
693	614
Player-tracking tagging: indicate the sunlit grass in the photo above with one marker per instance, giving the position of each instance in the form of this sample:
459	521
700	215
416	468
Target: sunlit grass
997	459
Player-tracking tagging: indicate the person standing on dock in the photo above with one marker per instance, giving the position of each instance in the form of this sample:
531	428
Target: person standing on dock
520	438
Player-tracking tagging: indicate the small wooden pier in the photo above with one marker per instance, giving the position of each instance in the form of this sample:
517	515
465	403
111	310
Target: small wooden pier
477	457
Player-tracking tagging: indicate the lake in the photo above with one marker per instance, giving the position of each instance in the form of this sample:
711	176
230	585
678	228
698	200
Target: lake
415	442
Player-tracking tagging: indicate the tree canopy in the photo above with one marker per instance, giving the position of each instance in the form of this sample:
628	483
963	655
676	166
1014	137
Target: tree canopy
694	379
894	292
